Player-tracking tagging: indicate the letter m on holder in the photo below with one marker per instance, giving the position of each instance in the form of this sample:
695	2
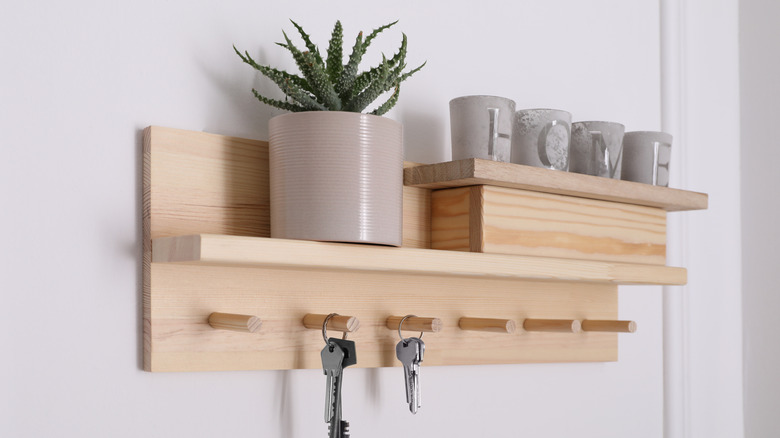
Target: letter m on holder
605	157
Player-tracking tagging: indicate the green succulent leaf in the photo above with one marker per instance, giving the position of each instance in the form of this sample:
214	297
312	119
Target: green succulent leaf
409	74
297	54
372	92
309	45
400	56
289	84
389	104
335	53
299	95
373	35
396	62
265	70
344	84
331	85
315	76
287	106
364	80
318	78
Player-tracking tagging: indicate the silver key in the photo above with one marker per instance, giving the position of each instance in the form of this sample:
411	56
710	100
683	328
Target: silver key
410	352
420	357
332	357
417	391
336	428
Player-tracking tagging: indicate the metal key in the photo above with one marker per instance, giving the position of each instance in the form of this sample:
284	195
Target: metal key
336	424
420	357
332	358
410	352
338	427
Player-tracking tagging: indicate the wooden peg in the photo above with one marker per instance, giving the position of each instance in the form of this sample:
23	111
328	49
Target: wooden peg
339	323
415	323
594	325
552	325
487	325
235	322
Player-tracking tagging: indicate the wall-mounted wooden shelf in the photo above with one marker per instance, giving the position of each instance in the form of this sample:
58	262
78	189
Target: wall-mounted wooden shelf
220	250
474	171
207	250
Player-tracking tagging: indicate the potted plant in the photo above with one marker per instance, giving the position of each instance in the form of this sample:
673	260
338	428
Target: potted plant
336	173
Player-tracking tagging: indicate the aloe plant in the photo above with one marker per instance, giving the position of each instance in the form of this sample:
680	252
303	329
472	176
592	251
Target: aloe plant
330	85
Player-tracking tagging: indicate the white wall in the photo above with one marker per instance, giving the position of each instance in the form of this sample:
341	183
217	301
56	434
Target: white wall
760	93
81	79
710	145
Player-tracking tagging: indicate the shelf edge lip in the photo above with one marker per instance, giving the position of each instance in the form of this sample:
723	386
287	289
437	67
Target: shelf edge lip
474	171
223	250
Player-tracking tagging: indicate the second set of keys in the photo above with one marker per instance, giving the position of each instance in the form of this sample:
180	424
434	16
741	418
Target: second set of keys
337	355
341	353
410	352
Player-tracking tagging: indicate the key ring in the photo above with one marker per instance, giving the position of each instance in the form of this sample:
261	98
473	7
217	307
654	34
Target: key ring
400	324
325	329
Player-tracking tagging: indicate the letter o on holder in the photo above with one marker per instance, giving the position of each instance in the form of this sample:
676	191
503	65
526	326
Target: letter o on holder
544	137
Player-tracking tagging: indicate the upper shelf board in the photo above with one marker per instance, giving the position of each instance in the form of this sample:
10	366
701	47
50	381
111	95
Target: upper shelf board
221	250
475	171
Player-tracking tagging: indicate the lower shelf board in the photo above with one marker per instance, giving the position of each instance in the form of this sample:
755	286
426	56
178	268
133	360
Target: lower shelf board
221	250
181	298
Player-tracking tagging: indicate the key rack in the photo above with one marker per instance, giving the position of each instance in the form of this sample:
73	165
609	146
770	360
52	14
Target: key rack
516	263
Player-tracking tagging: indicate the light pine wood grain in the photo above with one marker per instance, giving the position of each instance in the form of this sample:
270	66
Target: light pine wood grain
340	323
219	250
513	221
552	325
455	222
203	193
474	171
590	325
423	324
197	182
417	218
235	322
494	325
209	183
184	296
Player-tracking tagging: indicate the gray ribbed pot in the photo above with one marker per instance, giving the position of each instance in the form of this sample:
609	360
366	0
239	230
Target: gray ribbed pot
336	177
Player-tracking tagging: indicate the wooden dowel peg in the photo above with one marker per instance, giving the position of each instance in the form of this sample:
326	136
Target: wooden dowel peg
339	323
235	322
415	323
487	325
595	325
552	325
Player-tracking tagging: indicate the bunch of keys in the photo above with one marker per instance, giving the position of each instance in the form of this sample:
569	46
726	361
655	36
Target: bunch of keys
337	355
410	352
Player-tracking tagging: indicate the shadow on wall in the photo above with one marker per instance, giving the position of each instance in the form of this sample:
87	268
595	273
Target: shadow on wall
236	111
139	239
423	137
285	404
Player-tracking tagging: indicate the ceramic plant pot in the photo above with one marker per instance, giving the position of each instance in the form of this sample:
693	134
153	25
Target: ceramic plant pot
336	177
